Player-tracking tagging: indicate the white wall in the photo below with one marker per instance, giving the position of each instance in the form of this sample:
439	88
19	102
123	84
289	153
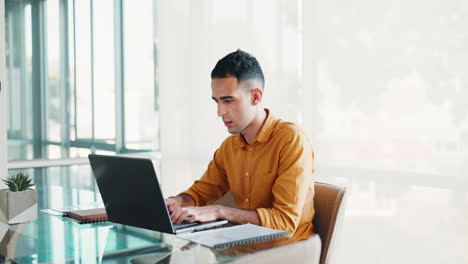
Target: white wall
191	38
376	85
3	101
388	85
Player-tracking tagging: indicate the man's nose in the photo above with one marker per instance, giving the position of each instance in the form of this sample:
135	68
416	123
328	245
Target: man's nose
221	110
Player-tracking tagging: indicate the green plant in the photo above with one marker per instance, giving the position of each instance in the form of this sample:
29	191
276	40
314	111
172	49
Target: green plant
18	182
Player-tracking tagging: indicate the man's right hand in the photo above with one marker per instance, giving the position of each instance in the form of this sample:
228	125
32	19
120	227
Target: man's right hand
174	202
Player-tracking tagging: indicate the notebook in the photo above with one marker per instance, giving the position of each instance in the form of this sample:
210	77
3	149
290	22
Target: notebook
132	196
88	215
232	236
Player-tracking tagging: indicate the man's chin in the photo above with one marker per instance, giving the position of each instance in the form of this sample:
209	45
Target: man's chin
232	131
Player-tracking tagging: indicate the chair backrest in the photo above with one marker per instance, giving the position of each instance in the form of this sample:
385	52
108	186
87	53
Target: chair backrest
329	206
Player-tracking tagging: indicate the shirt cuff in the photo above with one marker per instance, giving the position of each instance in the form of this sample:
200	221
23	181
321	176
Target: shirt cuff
194	196
266	220
264	217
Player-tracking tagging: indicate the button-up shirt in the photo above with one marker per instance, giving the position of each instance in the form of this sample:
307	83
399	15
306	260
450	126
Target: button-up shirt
274	175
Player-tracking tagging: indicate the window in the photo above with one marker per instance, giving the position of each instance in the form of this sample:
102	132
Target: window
81	78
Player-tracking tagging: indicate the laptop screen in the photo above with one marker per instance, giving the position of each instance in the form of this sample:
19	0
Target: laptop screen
131	193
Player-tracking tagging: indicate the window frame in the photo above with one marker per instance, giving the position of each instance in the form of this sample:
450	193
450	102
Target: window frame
67	83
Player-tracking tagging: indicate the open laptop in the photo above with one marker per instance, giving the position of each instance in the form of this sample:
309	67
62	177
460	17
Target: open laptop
132	196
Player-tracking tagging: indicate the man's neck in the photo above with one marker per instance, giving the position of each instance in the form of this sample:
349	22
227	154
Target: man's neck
252	131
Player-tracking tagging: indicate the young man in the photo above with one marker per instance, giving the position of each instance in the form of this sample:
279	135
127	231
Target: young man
267	164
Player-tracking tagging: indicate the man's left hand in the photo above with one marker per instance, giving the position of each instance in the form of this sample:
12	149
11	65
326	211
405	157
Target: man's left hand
200	214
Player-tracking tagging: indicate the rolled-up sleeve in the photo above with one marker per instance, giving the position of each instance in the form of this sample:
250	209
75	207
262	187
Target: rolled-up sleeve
212	185
295	177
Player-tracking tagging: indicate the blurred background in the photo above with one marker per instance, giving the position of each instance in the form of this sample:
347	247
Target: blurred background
379	87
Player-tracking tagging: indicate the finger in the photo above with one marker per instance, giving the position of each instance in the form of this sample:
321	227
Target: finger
171	208
181	217
193	218
175	214
175	217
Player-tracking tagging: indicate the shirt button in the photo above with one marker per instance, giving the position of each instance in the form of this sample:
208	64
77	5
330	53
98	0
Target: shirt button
246	200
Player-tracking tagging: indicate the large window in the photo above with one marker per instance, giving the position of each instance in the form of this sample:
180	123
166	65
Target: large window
81	76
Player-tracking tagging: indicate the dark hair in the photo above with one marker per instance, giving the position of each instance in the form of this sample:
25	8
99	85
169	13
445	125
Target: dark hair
241	65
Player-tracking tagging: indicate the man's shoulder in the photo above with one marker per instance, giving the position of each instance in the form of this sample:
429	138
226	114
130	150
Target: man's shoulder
289	135
286	128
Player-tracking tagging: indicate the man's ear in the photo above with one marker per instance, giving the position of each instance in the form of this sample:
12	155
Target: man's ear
257	95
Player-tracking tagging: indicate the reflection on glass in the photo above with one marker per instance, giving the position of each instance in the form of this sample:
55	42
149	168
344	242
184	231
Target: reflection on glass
54	239
72	61
53	71
54	151
140	120
83	70
18	61
26	113
104	68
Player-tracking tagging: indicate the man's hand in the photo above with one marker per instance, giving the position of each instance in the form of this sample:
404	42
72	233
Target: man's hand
196	214
173	203
178	201
183	207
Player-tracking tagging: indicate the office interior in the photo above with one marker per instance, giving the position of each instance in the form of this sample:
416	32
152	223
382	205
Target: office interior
379	87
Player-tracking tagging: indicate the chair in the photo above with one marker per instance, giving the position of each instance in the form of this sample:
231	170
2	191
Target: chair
329	207
329	204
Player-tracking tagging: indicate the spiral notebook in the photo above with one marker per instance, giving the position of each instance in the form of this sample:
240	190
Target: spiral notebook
232	236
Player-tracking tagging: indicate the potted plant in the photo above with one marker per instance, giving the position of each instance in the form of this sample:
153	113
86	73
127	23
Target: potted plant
18	203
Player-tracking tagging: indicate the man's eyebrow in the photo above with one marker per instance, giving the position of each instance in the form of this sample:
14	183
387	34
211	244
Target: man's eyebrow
223	98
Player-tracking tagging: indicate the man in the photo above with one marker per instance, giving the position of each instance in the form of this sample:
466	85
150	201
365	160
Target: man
267	164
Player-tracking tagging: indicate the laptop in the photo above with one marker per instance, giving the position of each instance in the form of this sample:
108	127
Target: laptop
132	196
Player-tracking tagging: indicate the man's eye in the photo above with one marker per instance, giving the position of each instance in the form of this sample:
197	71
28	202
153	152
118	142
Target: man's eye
228	101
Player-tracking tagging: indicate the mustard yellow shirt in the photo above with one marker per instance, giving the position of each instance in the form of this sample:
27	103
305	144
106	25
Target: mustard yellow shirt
274	175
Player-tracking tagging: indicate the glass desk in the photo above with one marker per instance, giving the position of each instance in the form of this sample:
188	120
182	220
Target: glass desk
57	239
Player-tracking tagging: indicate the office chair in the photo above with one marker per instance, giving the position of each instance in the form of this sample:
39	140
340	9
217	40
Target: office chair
329	207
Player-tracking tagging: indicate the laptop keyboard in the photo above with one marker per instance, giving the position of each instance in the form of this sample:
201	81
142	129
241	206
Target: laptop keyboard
184	225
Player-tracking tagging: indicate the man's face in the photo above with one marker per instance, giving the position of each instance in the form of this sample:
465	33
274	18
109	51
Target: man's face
234	101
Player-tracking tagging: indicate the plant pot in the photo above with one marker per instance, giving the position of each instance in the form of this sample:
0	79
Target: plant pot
18	207
13	240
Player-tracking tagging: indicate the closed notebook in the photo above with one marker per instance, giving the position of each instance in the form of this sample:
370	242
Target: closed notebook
88	215
232	236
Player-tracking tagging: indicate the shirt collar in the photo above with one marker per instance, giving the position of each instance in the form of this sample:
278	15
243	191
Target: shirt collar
265	131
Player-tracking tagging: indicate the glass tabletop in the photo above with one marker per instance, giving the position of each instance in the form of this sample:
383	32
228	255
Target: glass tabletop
57	239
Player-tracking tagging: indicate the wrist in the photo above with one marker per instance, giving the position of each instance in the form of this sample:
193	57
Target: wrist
180	200
220	212
185	200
